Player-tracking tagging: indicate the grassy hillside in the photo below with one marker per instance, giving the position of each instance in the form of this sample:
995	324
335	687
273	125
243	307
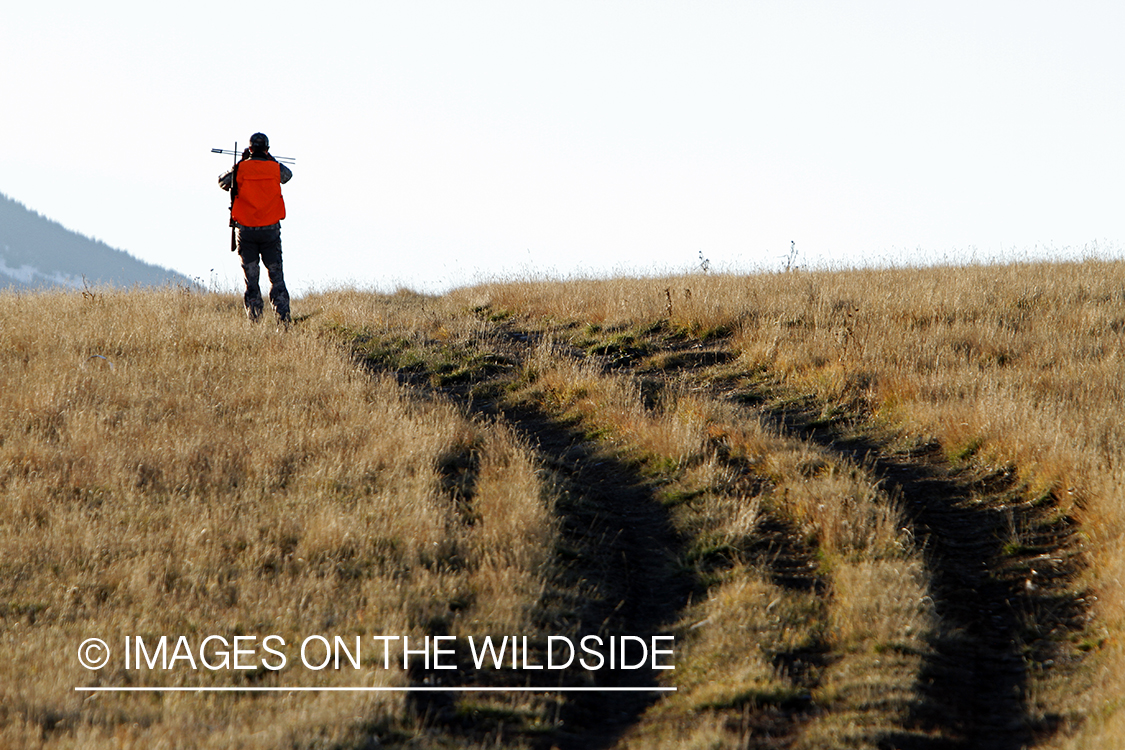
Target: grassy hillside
872	509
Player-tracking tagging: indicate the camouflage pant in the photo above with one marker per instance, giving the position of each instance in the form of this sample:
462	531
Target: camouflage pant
264	243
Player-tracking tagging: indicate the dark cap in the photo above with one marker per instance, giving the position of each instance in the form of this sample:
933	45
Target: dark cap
259	141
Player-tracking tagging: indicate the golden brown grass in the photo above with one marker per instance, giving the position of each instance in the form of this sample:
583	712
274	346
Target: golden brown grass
874	618
167	468
1014	366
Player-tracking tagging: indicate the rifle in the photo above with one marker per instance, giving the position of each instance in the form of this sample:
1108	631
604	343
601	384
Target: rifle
233	191
234	182
236	154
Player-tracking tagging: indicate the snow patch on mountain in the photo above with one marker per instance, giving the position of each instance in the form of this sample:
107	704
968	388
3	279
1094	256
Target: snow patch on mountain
28	275
39	253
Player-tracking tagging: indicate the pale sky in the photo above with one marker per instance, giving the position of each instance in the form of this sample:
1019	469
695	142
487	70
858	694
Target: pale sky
438	143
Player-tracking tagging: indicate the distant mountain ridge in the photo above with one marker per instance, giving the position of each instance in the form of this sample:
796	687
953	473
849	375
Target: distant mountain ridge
36	252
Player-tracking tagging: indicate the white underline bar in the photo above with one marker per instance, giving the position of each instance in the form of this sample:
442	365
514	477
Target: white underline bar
375	689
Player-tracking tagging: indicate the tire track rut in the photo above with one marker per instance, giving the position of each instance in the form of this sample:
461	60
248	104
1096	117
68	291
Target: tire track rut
618	548
623	552
998	624
975	683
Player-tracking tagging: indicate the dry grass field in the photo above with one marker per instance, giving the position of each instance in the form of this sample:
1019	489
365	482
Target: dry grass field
872	508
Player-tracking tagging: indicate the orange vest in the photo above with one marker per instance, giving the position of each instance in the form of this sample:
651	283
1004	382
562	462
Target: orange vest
259	202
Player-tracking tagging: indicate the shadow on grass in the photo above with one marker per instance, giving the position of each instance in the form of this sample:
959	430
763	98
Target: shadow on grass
619	549
975	680
619	573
